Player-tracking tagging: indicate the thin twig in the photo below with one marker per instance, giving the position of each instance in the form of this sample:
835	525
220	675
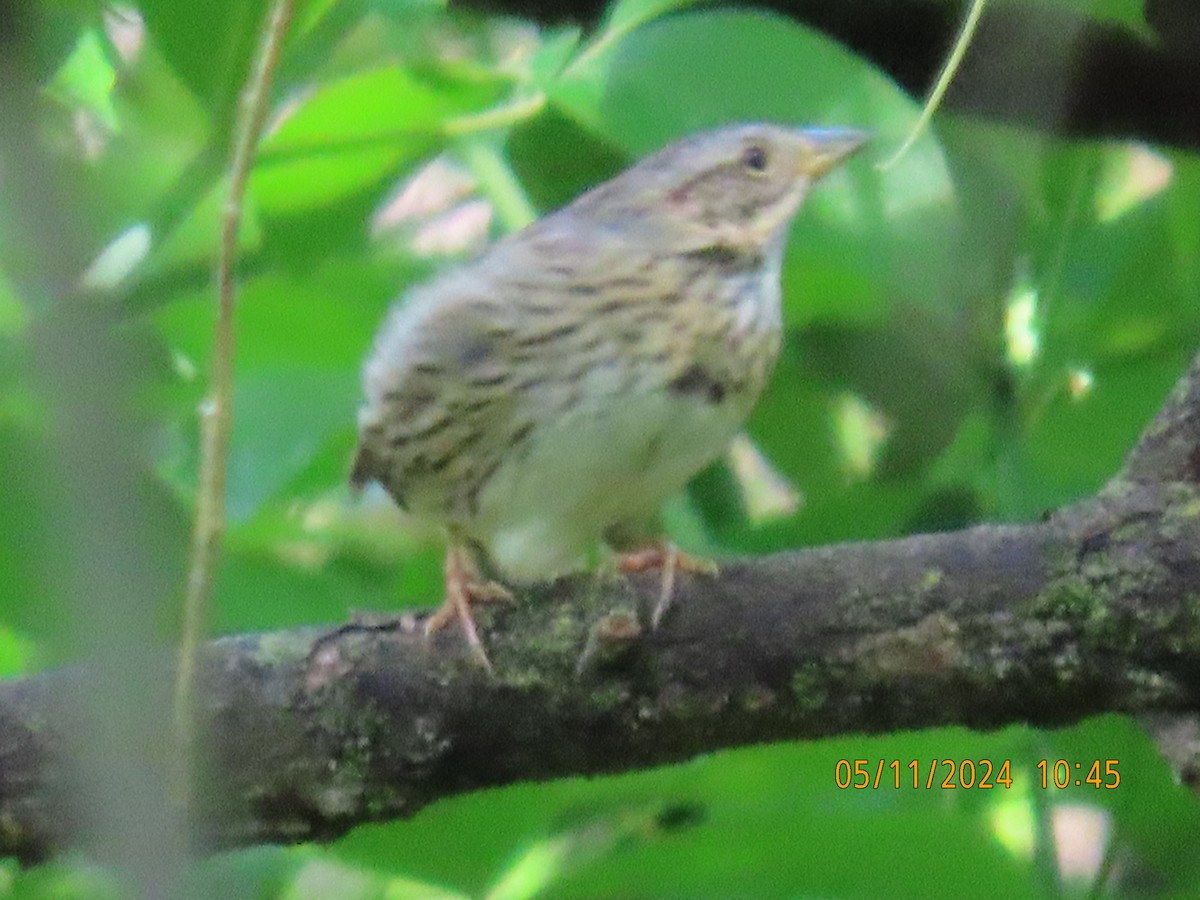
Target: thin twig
961	43
505	115
217	410
484	156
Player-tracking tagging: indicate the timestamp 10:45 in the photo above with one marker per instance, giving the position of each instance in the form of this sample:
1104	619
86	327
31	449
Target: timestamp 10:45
1061	773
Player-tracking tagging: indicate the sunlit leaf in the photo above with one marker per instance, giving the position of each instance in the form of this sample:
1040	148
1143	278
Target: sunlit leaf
371	107
16	652
1132	174
349	134
119	259
86	78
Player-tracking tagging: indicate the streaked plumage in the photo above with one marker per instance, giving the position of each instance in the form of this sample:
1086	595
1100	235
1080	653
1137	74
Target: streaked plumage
582	370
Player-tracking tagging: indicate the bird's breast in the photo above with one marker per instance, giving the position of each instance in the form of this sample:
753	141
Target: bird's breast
733	330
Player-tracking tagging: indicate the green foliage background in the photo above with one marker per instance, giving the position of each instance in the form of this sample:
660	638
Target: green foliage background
977	334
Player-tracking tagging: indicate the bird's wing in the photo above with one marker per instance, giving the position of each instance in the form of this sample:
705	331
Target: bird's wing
465	368
437	389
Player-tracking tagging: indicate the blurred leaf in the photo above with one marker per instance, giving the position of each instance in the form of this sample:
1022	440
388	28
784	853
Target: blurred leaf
408	889
16	653
30	603
330	313
1070	447
1128	13
554	858
553	53
70	877
280	420
881	365
1153	821
261	872
86	78
12	313
1132	174
301	873
557	160
319	878
197	237
163	133
118	259
310	15
295	186
582	81
209	45
370	107
756	838
351	133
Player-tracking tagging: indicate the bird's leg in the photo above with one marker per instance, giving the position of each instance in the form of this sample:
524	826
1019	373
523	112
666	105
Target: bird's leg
669	559
464	586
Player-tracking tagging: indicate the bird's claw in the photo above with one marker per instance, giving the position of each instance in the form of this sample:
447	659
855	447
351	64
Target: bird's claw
669	559
464	586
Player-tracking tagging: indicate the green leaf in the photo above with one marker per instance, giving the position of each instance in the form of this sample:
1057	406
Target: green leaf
351	133
295	386
331	315
295	186
70	877
86	78
16	653
30	598
556	159
196	239
370	107
208	45
163	133
13	317
553	53
751	834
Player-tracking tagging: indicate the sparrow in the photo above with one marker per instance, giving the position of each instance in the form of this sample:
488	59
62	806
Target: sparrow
555	390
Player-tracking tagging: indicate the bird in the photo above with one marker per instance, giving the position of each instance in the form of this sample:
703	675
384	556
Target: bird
555	390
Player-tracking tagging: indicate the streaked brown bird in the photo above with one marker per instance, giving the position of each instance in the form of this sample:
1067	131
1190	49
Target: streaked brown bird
565	383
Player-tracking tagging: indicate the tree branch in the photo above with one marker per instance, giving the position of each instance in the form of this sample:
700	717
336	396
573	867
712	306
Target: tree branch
1169	449
1096	609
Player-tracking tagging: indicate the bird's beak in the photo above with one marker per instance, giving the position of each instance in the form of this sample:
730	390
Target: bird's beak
828	148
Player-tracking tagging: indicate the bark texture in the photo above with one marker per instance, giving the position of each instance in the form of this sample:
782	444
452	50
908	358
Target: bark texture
310	732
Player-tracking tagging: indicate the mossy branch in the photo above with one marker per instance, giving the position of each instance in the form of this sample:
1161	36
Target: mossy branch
1096	609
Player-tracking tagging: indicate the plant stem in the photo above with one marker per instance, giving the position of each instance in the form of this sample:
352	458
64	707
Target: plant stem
217	410
484	156
961	43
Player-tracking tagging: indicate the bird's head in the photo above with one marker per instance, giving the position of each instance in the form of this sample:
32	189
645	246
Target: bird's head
736	186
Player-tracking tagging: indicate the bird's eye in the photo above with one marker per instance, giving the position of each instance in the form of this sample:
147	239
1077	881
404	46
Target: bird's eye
755	158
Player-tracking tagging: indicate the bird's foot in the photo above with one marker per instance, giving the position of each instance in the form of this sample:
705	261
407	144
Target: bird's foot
464	586
669	559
